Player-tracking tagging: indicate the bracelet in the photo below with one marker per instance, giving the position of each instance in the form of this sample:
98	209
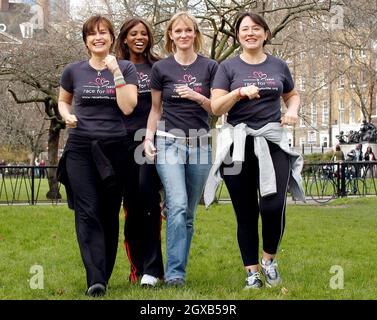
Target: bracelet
147	139
120	85
240	95
202	102
119	78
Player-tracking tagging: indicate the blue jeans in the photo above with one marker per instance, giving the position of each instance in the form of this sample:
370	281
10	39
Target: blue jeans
183	170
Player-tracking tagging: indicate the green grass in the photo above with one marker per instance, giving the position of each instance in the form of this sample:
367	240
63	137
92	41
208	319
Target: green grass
316	238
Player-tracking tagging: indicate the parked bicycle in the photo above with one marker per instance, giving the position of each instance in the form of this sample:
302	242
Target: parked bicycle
326	183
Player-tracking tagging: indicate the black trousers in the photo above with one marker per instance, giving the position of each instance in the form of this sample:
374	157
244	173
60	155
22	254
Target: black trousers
96	205
142	228
248	204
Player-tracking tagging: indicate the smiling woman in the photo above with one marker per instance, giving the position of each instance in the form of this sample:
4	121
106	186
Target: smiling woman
248	88
142	228
92	165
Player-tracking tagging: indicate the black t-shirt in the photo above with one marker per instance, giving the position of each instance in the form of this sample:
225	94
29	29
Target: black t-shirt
98	114
139	117
272	77
179	113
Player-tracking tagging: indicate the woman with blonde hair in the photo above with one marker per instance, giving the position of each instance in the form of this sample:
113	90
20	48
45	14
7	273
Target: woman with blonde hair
181	83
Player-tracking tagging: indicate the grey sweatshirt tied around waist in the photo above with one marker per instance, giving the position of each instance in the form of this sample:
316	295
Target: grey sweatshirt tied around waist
273	132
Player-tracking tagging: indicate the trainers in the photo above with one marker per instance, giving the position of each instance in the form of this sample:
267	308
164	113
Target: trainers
253	280
176	282
270	271
96	290
148	281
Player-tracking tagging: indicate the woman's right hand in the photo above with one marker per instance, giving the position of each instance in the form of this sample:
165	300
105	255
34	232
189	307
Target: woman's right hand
71	121
252	92
149	149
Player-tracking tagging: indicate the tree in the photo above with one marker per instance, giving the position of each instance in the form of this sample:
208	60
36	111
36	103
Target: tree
32	71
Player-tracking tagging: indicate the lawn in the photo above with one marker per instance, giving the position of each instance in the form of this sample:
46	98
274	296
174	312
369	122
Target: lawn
317	238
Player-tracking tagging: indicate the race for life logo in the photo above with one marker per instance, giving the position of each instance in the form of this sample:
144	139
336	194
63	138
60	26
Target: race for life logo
261	80
190	81
144	82
100	88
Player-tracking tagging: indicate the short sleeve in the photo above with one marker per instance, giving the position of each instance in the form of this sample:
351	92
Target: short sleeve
129	73
288	83
222	79
66	80
212	72
156	78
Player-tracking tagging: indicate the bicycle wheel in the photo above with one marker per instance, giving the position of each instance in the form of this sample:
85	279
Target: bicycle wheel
356	187
322	190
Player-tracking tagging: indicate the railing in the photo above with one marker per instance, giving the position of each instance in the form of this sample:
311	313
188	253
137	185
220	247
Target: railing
29	185
323	181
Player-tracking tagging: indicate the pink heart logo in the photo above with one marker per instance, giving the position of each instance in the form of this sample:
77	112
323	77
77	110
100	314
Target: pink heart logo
259	75
101	82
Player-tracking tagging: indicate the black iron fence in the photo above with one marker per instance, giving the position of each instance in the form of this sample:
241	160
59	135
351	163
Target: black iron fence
322	181
30	185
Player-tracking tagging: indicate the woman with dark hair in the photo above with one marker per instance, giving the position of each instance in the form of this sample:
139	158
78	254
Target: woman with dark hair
92	167
142	229
253	154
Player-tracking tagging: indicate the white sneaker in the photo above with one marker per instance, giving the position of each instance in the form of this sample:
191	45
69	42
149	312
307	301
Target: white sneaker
148	281
270	271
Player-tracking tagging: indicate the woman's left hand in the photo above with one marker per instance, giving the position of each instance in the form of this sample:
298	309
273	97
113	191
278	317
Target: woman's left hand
111	63
187	93
290	118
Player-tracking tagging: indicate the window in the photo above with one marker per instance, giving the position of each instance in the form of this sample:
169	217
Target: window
353	82
313	114
352	112
301	83
363	78
312	137
323	84
302	116
341	111
325	113
341	82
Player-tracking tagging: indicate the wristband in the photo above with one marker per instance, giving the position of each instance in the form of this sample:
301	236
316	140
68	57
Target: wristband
240	95
120	85
147	139
119	78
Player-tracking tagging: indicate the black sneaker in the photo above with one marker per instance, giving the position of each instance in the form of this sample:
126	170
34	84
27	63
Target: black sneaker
270	271
96	290
253	280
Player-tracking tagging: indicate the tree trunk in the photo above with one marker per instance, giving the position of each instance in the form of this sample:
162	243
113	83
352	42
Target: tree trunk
53	148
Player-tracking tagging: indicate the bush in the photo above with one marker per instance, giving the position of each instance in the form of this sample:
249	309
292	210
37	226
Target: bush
318	156
13	155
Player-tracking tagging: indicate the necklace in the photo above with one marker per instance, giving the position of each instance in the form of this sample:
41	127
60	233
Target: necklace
185	67
98	70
